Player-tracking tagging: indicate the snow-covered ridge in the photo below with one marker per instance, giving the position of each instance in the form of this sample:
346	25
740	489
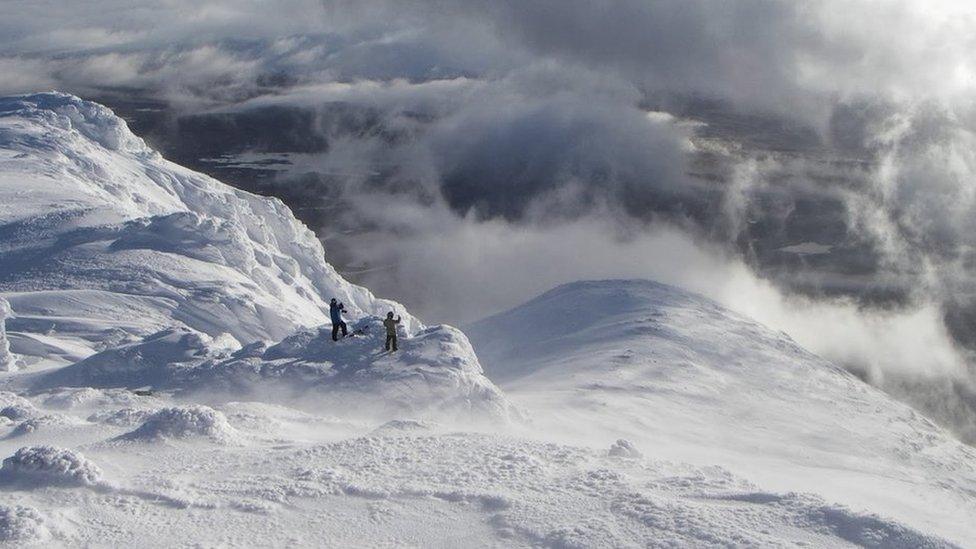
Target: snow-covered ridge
655	416
677	372
123	270
435	372
98	231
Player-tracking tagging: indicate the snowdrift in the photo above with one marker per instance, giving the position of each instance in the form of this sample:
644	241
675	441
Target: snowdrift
19	412
435	371
38	466
19	524
101	238
636	346
184	422
549	495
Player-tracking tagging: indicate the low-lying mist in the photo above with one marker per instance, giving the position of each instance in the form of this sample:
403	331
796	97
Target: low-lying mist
456	270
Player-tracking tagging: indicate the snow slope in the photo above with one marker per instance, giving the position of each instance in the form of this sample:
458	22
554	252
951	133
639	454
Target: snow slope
99	235
251	475
679	374
656	420
139	273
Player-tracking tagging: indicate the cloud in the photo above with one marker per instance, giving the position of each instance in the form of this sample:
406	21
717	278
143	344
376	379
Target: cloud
457	269
795	59
21	75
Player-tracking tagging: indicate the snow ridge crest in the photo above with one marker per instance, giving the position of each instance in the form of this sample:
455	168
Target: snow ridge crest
96	122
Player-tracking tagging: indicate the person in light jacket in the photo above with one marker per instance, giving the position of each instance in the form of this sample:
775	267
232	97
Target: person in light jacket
391	330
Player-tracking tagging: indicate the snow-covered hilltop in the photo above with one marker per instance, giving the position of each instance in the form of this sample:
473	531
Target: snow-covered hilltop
98	234
644	416
678	372
137	272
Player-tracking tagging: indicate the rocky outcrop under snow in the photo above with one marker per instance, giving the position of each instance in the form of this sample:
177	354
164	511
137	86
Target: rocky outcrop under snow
37	466
435	371
20	524
180	422
101	237
133	271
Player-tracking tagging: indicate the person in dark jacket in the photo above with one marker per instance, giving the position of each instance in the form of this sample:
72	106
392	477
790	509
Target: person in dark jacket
391	330
335	311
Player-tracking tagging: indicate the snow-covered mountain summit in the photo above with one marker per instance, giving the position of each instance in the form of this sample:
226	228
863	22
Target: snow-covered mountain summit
122	269
655	417
98	231
675	371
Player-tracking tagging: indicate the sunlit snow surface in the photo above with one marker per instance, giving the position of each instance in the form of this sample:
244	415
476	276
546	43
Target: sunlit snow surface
98	232
677	374
629	414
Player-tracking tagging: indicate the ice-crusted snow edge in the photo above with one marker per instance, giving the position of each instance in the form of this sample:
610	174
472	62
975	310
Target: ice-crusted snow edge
182	422
8	362
68	112
39	466
21	524
277	278
229	262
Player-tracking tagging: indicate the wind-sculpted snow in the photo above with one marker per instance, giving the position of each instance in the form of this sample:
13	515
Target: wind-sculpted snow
100	235
125	417
623	448
184	422
551	495
74	398
163	359
20	525
255	474
14	408
38	466
434	372
41	423
404	427
95	122
19	412
29	419
677	373
161	322
7	360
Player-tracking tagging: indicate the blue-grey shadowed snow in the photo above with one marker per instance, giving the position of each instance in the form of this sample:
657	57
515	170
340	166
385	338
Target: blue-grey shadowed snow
434	372
19	524
38	466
